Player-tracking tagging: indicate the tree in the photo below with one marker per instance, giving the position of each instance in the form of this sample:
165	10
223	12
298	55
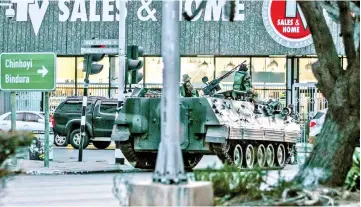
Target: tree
9	143
334	146
339	136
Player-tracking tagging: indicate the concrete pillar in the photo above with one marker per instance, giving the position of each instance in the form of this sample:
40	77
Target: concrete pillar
156	194
118	156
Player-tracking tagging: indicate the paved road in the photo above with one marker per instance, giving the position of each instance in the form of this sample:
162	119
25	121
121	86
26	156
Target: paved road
87	189
81	190
62	154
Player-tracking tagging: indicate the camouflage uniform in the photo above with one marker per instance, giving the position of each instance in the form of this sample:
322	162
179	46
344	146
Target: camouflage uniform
272	106
242	82
187	88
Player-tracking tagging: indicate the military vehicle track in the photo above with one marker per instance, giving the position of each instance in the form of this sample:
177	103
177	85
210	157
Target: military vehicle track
138	160
235	153
250	155
147	160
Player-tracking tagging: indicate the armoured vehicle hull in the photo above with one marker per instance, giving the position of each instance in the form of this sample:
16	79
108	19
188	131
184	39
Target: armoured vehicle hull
227	128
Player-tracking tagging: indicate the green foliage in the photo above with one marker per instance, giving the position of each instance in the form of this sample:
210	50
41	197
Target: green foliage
231	182
353	176
9	142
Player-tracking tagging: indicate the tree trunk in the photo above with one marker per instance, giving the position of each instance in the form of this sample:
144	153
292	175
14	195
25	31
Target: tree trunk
331	157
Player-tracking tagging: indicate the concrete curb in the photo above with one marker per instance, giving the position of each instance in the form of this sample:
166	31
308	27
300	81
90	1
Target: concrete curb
81	171
36	168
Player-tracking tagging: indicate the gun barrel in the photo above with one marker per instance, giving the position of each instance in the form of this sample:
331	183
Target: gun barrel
230	72
212	86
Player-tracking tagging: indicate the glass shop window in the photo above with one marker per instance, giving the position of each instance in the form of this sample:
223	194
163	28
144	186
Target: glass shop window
226	64
65	69
153	72
305	70
268	70
102	77
197	68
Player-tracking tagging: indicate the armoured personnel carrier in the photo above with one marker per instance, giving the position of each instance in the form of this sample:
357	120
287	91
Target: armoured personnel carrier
216	123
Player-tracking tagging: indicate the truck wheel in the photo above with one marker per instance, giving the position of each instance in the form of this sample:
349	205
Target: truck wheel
101	144
75	139
60	141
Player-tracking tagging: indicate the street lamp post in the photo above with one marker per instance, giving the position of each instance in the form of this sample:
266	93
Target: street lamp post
169	166
170	185
121	71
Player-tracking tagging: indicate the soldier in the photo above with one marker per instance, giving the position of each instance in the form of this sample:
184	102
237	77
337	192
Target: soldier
242	83
187	87
272	106
293	114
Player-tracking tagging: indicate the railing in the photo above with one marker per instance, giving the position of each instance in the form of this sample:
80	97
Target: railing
29	101
307	100
265	91
69	89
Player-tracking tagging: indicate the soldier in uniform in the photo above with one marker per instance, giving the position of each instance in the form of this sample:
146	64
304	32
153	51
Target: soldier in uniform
272	106
187	87
293	114
242	83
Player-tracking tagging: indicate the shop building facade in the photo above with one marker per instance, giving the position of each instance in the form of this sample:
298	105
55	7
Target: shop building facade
271	36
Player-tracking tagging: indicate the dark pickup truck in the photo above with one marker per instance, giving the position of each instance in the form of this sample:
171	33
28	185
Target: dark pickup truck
99	121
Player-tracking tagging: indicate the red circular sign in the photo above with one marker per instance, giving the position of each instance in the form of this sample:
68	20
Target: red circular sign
289	27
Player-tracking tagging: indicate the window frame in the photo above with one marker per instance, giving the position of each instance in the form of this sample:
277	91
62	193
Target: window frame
33	114
76	102
107	103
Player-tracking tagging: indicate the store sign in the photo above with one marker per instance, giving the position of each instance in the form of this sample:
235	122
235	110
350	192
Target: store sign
27	71
86	11
286	24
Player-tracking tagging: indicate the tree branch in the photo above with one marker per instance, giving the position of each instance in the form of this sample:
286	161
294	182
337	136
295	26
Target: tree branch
329	67
347	29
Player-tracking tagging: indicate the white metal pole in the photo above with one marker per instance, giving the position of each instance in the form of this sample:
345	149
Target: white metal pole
46	109
169	166
121	69
121	51
13	111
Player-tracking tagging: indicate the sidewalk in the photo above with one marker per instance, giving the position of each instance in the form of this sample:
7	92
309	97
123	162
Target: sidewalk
36	167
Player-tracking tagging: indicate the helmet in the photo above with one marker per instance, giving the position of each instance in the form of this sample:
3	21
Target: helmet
243	67
186	78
